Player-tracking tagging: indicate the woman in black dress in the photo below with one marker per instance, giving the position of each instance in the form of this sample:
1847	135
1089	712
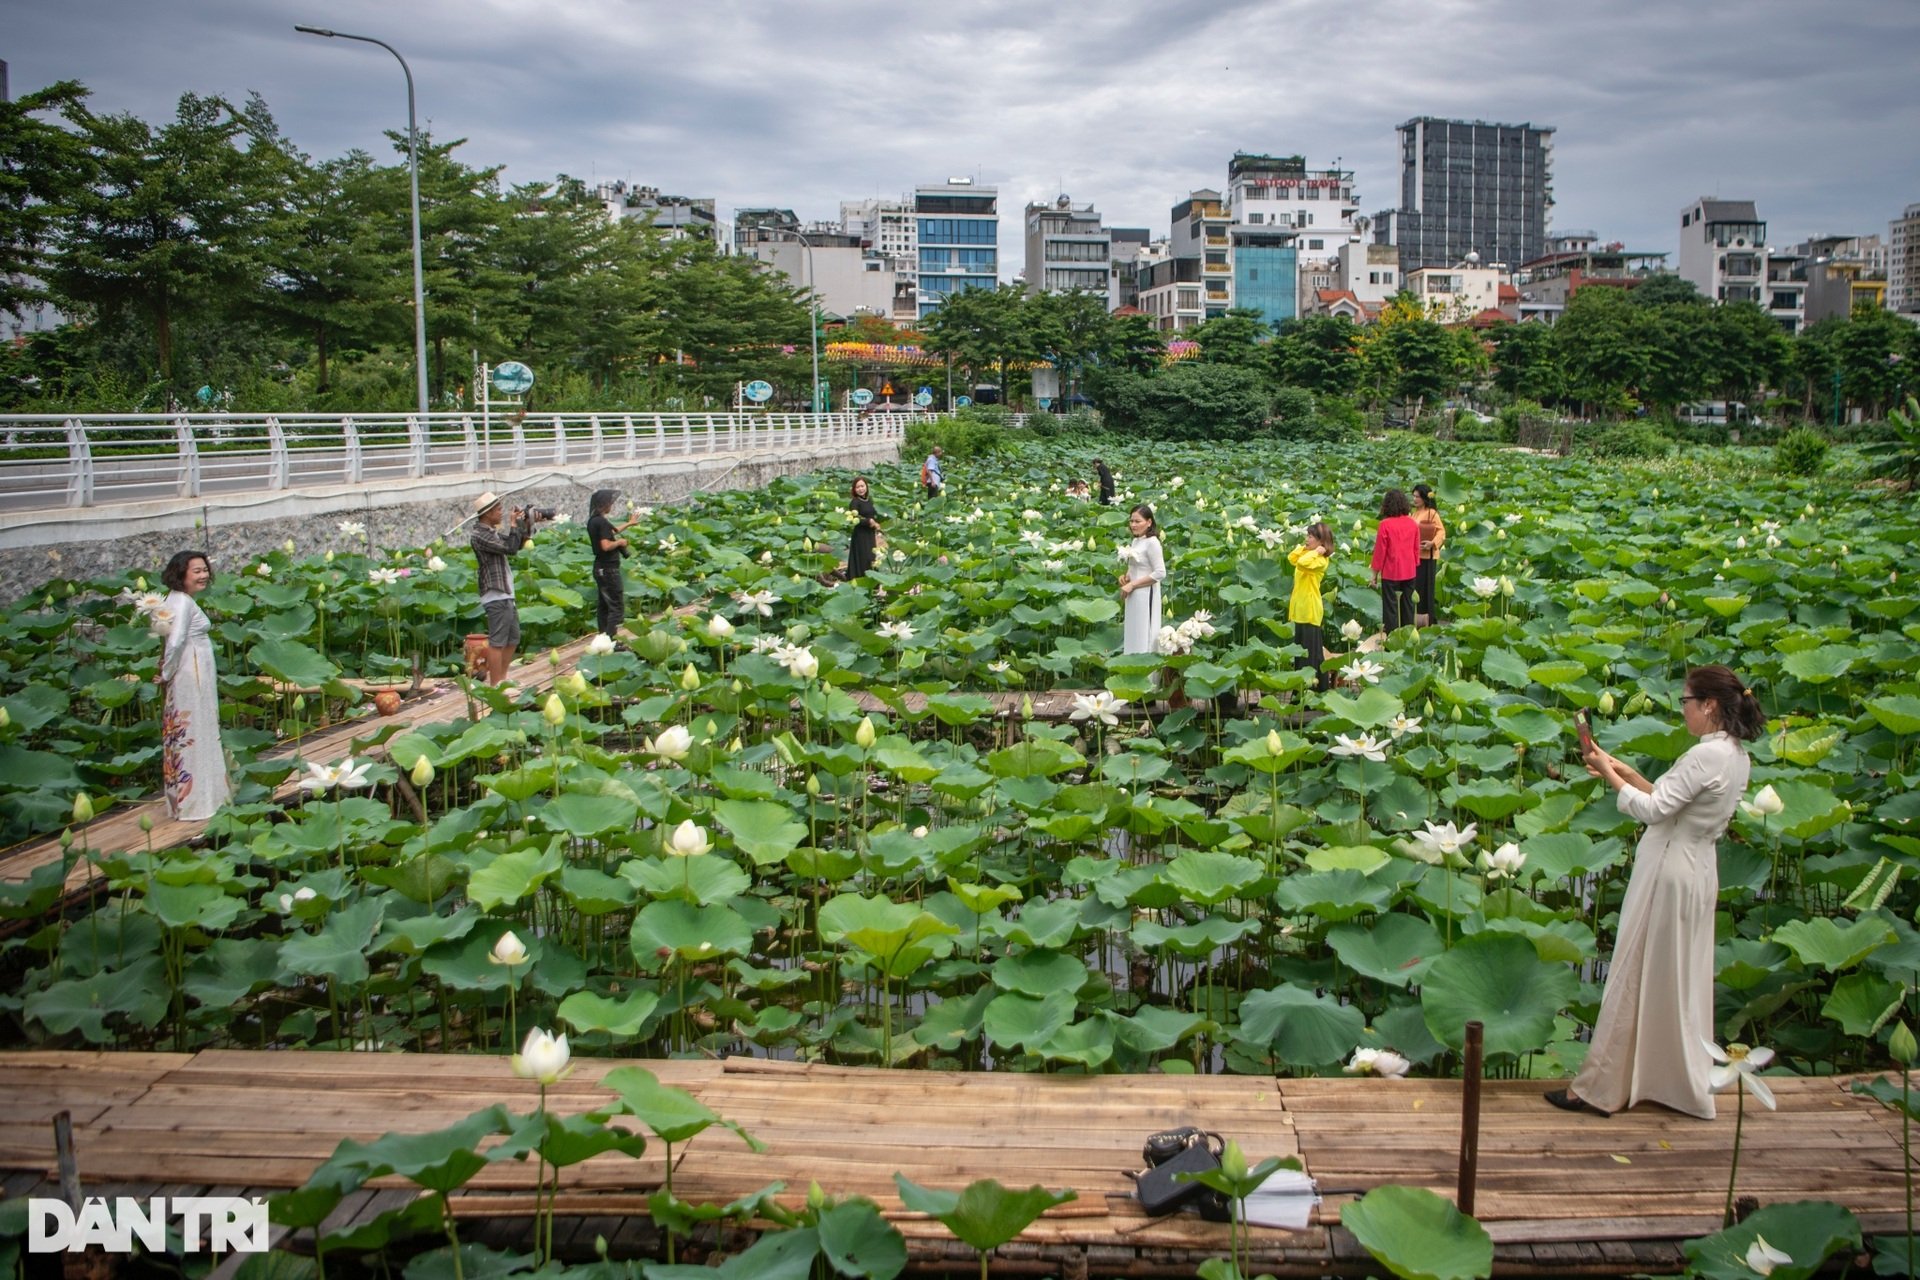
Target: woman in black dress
1106	482
866	530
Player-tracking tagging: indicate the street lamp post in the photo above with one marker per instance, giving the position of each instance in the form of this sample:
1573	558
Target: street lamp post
813	312
413	172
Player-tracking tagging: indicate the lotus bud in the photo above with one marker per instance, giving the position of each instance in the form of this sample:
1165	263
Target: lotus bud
1606	703
1427	710
146	822
1506	586
572	683
508	950
1455	715
1275	747
328	557
813	785
1026	706
553	711
734	746
553	657
82	810
1768	802
299	703
1901	1044
288	546
140	583
5	718
738	687
689	679
719	628
864	736
1740	543
66	838
687	841
422	774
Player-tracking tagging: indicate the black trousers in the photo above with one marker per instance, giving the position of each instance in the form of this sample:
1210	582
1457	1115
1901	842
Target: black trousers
610	608
1396	603
1308	637
1423	587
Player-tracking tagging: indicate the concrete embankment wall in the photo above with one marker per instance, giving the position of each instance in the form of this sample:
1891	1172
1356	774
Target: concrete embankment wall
39	547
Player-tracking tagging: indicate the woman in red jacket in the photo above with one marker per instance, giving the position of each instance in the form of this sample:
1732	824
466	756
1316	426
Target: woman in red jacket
1396	560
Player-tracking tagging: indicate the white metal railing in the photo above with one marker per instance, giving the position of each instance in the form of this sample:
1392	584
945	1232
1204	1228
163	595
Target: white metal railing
80	460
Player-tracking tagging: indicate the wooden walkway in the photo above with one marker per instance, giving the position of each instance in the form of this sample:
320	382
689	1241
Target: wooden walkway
1560	1194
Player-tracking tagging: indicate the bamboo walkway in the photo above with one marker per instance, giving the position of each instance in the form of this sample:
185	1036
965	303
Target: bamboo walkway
1561	1195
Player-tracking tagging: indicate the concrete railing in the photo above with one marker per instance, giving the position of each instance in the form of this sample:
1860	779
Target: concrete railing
54	461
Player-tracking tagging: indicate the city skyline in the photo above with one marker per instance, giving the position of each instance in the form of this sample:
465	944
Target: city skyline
1121	105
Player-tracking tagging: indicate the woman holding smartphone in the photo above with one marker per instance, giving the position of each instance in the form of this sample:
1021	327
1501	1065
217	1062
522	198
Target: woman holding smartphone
1656	1019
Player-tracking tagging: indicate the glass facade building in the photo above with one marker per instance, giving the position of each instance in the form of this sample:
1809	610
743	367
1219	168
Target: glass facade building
1467	186
1266	274
958	226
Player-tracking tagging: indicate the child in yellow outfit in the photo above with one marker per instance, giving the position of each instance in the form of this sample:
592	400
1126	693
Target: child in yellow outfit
1304	610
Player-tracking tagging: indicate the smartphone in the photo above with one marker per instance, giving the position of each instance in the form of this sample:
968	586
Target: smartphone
1586	733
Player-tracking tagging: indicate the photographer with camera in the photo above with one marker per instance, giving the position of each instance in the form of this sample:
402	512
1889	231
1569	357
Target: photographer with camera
609	549
497	536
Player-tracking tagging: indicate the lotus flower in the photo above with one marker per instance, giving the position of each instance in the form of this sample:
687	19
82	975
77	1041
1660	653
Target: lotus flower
554	711
687	841
288	901
508	950
435	564
422	774
1402	725
1362	671
264	569
1768	802
353	528
573	684
543	1057
760	602
802	665
1377	1062
1271	538
1440	842
1486	588
1351	629
346	774
894	630
1742	1064
999	668
1363	746
1503	863
601	645
672	743
1276	747
719	628
1101	706
383	577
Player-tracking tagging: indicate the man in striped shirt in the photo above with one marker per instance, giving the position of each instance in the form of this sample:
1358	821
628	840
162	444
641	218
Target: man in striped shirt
494	540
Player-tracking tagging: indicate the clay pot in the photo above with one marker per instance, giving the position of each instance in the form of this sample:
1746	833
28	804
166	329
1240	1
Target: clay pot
476	654
387	701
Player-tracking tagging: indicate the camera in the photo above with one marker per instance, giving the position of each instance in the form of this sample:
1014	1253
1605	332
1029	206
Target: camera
541	513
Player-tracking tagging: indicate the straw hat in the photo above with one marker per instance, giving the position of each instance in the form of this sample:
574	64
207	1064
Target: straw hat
484	501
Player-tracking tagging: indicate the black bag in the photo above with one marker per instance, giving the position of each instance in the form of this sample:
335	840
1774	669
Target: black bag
1173	1152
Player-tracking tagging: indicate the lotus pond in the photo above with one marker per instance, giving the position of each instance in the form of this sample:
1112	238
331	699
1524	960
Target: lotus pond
705	843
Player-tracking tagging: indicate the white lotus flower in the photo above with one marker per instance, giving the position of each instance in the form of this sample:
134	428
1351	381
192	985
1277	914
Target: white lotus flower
383	577
1504	862
146	603
508	950
1000	668
1486	588
1439	842
346	774
353	528
802	665
1362	670
1120	553
1199	625
1762	1257
288	901
1765	804
1101	706
543	1057
601	645
1031	514
264	569
1032	537
1176	482
899	557
1513	517
687	840
1171	641
919	833
1740	543
1362	746
1351	629
719	628
1271	538
1377	1062
668	545
435	564
672	743
760	602
1741	1063
1402	725
894	629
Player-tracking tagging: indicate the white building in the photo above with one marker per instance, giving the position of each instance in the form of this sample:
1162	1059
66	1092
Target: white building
1068	249
849	279
1454	295
886	225
1723	250
1903	262
678	216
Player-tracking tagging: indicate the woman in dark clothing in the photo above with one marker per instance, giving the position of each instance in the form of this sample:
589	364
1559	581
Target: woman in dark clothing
866	531
1106	482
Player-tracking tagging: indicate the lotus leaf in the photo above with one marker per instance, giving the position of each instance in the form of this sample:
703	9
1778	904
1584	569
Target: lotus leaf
1834	947
1301	1028
676	930
1501	982
511	877
763	830
1025	1021
1039	972
1395	949
586	1011
1810	1231
1418	1235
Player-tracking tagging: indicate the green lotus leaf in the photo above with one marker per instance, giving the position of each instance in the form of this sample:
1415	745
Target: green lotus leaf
857	1241
1556	673
1506	667
293	662
1809	809
1034	758
1363	858
954	1021
1899	713
700	880
900	938
1823	665
1024	1021
1863	1002
1155	1028
339	950
511	877
986	1215
1810	1231
1040	972
1395	949
1207	878
1500	981
673	929
763	830
1827	944
1373	708
673	1114
982	898
1096	610
621	1018
1418	1235
587	816
1333	895
1489	798
1299	1027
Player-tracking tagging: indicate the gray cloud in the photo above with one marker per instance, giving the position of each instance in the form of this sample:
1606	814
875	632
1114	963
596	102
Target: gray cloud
1810	110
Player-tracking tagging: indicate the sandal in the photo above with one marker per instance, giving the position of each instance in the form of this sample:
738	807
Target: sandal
1566	1101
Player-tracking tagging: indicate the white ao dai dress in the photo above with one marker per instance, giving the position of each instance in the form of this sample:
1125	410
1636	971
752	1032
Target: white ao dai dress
193	766
1143	560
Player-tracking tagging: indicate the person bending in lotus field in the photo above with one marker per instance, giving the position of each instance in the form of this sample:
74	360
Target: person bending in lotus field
1650	1043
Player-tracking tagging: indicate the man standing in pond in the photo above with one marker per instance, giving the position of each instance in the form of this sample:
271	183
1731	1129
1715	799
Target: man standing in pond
495	538
930	475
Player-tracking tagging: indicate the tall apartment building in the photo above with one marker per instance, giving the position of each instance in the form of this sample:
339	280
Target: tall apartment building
679	216
958	226
1321	206
756	226
1903	262
1130	251
886	225
1468	186
1068	249
1200	232
1723	249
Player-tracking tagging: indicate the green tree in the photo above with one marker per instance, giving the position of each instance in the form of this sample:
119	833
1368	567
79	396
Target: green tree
1320	353
1526	362
1665	289
1233	338
43	168
983	330
1604	348
1747	350
1070	329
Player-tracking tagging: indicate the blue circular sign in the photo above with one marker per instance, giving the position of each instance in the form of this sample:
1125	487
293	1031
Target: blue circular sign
512	378
759	392
862	397
961	402
924	399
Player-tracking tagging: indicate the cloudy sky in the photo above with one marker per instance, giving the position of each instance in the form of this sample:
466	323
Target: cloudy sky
1812	109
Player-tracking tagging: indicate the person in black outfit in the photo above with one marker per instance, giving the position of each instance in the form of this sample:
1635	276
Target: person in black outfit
1106	482
609	549
866	530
